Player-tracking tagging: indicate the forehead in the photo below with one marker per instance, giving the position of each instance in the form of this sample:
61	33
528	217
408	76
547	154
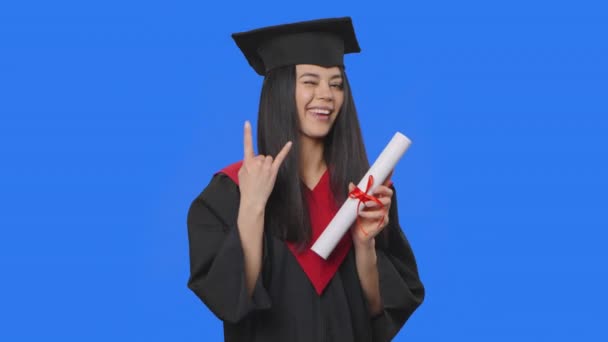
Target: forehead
317	70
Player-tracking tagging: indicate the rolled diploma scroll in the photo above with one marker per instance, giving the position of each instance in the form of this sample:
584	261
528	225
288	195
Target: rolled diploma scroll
347	214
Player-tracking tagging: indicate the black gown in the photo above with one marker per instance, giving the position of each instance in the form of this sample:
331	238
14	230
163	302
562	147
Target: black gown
285	306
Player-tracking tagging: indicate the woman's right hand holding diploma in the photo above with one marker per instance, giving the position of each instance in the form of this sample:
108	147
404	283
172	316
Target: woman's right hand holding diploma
373	218
371	221
258	173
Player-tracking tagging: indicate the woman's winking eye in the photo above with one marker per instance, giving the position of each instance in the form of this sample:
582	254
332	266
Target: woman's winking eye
338	85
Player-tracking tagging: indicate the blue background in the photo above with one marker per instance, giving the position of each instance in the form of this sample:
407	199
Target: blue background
114	115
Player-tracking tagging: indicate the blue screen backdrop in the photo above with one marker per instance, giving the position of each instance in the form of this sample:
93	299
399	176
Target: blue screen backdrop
115	114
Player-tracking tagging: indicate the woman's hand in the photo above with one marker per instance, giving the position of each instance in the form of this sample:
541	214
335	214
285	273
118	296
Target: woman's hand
370	222
258	173
256	181
373	218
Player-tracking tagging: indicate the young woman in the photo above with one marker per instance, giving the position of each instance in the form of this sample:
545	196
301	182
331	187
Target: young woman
251	229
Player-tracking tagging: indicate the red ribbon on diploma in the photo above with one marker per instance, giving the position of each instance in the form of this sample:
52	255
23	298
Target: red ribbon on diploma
364	197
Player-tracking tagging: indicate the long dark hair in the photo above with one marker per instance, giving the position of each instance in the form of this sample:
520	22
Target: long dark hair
286	211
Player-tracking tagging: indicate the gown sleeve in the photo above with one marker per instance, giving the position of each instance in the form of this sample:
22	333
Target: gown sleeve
217	268
401	290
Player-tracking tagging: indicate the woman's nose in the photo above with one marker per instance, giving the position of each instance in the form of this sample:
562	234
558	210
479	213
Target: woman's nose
324	92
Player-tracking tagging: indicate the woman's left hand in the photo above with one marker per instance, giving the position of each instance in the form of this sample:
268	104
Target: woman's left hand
373	218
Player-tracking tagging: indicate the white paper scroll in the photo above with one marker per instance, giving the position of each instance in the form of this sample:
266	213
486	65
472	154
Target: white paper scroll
347	214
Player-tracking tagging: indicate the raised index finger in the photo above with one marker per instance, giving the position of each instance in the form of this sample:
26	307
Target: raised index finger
248	141
281	156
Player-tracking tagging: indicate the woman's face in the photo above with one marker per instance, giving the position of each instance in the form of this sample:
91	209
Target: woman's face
319	97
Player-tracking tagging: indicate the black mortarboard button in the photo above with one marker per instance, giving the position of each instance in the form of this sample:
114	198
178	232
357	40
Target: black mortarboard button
321	42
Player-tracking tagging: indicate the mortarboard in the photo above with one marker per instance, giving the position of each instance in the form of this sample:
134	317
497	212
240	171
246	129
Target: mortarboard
321	42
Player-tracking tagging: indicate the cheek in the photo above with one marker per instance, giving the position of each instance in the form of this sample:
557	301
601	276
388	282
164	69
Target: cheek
339	99
303	97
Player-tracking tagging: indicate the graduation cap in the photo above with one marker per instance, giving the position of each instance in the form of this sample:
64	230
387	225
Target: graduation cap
321	42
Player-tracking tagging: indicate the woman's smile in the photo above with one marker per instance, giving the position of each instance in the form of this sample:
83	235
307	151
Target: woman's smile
320	113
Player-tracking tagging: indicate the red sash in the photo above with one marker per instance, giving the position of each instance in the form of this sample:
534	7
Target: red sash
322	208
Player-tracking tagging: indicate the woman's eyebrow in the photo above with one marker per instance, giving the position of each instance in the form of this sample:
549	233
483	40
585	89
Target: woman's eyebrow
317	76
309	74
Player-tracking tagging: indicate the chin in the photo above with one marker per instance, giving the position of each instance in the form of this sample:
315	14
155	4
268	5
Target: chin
315	135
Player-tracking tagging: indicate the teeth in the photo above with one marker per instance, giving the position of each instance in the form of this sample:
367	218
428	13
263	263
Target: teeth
321	111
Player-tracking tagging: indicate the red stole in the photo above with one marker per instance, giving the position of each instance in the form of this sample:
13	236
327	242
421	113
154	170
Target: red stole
322	208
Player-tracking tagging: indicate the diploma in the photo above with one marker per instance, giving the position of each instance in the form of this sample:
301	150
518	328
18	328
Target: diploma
347	214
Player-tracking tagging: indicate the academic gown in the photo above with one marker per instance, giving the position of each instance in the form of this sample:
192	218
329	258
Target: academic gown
285	306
